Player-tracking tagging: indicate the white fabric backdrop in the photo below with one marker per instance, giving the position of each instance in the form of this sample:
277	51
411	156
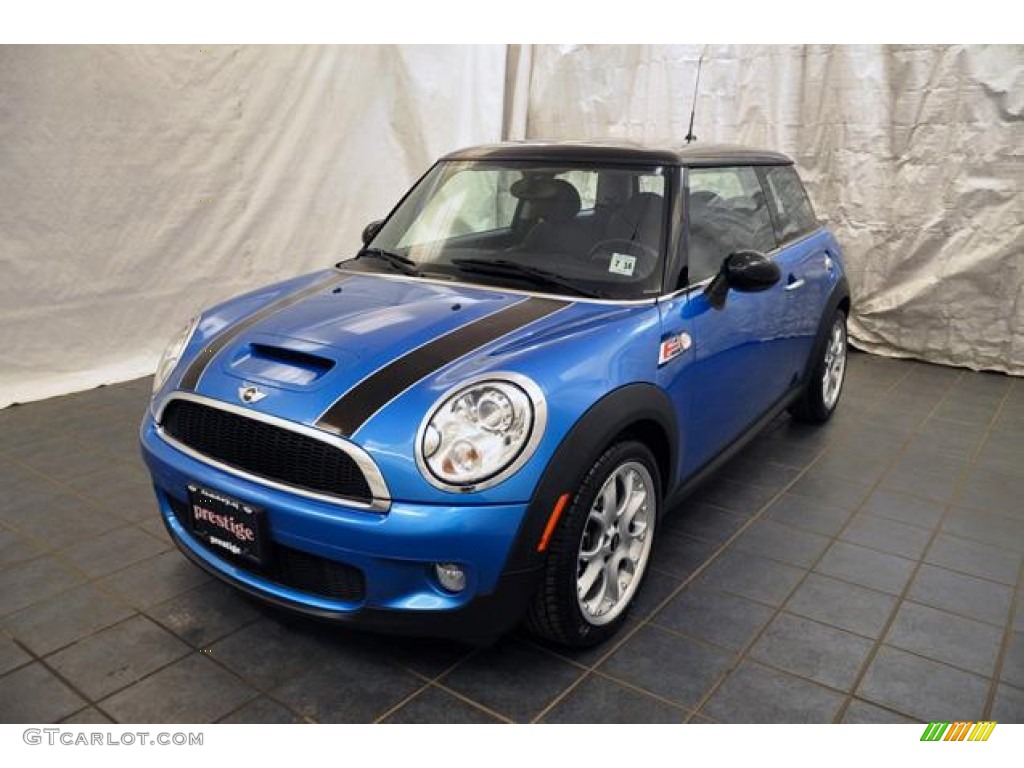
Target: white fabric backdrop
913	154
139	184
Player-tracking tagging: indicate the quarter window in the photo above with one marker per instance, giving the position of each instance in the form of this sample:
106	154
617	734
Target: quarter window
727	212
793	213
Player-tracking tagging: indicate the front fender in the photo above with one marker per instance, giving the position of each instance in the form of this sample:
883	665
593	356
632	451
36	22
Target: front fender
641	409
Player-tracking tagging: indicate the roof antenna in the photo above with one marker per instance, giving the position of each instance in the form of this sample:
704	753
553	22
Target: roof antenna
693	110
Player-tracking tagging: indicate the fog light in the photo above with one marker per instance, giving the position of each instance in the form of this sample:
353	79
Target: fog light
450	576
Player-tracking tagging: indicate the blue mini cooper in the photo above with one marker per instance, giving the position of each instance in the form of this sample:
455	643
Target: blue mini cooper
482	416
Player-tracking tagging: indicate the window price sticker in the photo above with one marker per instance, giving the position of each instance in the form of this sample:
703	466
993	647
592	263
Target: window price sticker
622	264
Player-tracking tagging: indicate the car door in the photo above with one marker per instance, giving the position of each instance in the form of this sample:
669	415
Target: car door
740	362
803	256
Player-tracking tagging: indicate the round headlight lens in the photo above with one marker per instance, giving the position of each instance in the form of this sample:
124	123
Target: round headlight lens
477	432
173	353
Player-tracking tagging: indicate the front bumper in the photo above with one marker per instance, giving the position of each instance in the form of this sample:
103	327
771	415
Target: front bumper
395	552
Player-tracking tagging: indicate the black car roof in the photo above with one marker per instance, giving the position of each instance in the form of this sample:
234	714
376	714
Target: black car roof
694	155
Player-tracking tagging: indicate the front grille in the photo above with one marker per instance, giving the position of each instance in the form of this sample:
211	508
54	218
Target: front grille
265	450
292	567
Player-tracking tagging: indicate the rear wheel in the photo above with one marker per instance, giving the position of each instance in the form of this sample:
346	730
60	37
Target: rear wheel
821	395
598	555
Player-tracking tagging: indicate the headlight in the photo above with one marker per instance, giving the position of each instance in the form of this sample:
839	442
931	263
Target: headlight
481	432
173	353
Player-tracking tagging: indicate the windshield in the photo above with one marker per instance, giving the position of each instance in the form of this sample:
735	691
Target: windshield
576	230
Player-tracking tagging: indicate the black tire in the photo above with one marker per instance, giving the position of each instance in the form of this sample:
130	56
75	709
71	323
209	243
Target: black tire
812	407
555	613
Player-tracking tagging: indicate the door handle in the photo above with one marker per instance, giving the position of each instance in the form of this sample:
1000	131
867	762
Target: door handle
795	284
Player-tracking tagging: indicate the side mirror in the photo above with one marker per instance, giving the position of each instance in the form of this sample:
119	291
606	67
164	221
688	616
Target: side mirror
371	230
745	271
750	271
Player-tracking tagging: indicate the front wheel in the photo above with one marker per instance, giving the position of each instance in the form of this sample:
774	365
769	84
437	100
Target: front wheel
821	395
598	555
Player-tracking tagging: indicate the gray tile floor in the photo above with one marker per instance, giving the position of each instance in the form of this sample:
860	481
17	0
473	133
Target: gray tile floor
868	571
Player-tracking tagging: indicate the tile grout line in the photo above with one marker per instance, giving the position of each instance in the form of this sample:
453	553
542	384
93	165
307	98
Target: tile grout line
847	582
64	681
683	708
833	537
121	600
783	612
1004	647
947	508
744	653
875	515
401	703
150	617
58	554
472	702
592	670
259	689
428	681
1008	633
267	693
715	555
686	581
97	702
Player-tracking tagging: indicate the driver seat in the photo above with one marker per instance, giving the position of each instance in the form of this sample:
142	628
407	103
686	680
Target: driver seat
554	228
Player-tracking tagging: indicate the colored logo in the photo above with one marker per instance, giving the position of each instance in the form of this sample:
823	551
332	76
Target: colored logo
673	346
250	394
959	731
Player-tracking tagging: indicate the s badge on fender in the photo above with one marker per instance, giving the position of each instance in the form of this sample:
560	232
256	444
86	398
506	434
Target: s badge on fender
672	346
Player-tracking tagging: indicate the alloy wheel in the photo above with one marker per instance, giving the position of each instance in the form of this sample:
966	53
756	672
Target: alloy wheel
616	543
835	365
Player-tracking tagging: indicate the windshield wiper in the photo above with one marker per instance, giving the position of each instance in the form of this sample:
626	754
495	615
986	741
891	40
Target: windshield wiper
396	260
536	275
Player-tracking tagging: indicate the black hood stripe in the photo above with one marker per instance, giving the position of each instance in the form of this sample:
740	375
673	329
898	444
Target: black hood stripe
199	364
354	408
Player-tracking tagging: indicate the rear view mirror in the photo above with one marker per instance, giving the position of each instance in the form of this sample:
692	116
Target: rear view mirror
371	230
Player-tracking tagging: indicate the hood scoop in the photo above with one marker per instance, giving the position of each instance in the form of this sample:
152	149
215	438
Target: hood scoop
282	365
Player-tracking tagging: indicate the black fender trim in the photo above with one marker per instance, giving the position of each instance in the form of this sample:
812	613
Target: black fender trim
840	292
612	415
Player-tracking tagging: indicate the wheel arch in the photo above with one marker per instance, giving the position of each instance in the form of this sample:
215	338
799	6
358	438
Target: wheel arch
839	298
640	411
844	304
653	435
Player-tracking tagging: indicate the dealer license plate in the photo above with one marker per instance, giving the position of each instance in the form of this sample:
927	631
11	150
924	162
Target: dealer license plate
227	524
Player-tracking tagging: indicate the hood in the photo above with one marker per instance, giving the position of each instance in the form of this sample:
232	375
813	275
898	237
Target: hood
306	350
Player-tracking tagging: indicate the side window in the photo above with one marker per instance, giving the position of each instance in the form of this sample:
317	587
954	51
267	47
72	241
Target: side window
470	202
726	212
793	213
